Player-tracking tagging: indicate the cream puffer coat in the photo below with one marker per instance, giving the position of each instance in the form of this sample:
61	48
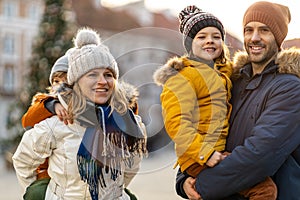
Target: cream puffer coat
52	138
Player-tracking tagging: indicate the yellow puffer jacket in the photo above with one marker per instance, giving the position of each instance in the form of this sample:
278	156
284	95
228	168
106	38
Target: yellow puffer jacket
195	107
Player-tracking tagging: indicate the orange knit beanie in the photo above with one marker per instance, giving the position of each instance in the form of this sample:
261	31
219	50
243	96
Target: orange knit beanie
275	16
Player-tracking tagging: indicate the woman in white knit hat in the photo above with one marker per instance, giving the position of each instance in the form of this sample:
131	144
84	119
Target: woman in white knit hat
97	156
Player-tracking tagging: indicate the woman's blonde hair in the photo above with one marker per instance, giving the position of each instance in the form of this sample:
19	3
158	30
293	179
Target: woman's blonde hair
77	101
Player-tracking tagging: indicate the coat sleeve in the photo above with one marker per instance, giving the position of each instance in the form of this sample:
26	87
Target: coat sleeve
180	110
273	138
180	179
34	148
287	180
131	171
37	111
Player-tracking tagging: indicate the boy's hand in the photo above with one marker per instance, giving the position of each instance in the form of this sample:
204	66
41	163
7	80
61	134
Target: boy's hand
215	159
189	189
62	114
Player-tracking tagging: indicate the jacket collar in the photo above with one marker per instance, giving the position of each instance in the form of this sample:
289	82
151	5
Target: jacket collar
246	71
174	65
287	62
254	82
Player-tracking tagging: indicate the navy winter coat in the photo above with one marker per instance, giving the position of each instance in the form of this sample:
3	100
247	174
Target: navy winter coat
264	132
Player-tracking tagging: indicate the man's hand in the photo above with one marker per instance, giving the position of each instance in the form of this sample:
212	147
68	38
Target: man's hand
62	114
189	189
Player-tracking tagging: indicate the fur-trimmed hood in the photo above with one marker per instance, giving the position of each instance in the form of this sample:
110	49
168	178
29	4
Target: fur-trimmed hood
176	64
131	94
171	68
288	61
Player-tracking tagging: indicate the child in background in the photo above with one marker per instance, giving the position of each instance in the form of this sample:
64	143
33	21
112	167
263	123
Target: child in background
43	106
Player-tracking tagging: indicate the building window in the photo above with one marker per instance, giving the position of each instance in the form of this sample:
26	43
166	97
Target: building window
8	79
9	45
97	3
33	13
9	9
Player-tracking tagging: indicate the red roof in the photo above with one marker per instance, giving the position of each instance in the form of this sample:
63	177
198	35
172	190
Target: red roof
291	43
102	18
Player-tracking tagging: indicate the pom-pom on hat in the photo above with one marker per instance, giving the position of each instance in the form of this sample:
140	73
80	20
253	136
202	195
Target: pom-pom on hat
275	16
192	20
89	53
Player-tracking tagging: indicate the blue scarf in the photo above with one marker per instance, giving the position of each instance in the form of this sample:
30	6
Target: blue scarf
106	143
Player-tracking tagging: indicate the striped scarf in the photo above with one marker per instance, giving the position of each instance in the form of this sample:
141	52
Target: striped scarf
106	143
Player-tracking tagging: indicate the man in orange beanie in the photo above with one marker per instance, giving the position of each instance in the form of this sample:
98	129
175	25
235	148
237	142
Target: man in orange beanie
264	137
275	16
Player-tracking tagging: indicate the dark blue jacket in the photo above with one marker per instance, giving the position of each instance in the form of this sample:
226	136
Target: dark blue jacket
264	133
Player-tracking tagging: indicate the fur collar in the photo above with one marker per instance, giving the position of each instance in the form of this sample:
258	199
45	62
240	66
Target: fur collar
171	68
176	64
131	93
288	61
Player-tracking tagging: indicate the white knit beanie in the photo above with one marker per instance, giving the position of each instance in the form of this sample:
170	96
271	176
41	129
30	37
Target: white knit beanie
89	53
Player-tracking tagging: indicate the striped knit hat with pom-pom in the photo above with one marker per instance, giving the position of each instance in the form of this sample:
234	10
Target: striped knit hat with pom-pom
89	53
192	20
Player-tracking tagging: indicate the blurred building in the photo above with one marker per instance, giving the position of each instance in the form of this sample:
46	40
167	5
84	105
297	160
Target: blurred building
19	20
291	43
140	40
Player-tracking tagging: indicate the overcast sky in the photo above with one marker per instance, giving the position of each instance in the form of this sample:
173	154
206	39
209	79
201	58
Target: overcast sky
230	12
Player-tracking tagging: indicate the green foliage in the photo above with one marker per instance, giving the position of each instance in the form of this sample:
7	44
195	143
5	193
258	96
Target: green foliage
50	44
52	41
